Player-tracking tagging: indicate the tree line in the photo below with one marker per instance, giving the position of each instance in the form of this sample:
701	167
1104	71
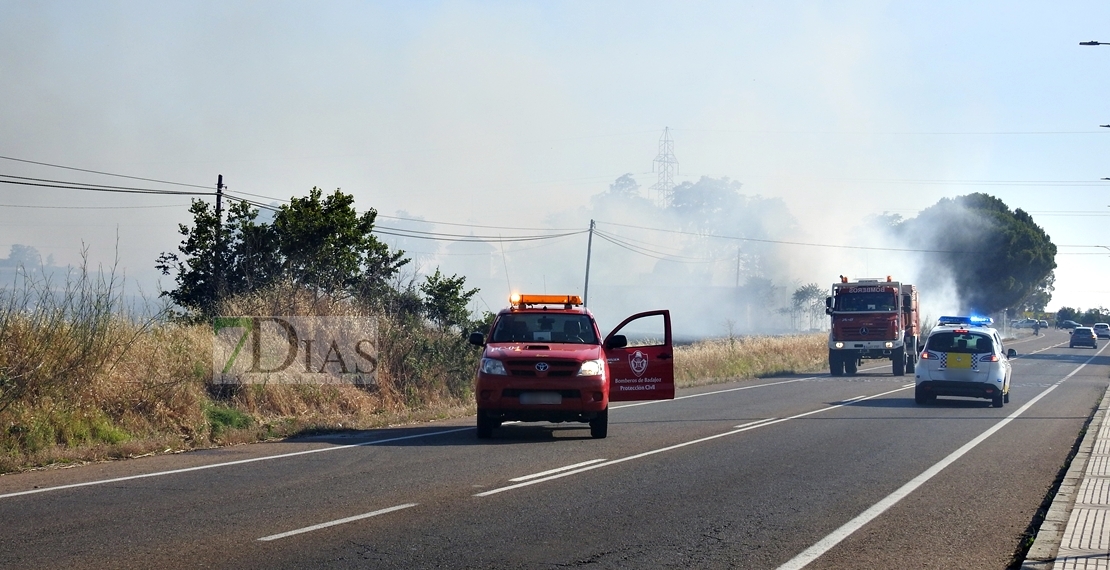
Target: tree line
318	243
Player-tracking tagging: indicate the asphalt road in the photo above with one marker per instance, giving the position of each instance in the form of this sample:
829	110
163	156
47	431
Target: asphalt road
794	472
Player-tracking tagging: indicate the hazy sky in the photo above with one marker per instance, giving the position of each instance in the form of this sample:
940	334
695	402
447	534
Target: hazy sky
499	113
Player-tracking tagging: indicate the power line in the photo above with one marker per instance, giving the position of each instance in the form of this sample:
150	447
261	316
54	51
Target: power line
94	188
465	238
93	207
477	225
100	172
653	253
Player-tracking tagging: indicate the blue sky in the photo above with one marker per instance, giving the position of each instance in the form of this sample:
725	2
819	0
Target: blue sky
496	113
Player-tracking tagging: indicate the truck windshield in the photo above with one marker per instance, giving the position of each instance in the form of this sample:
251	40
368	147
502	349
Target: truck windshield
544	327
866	302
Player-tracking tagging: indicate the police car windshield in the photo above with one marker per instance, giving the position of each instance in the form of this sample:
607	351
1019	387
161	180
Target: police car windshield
966	342
544	327
866	302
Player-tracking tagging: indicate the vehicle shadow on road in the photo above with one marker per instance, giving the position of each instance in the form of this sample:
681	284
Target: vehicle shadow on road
424	436
910	403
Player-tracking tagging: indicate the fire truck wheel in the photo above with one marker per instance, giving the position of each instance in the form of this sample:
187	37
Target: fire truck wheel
851	366
836	365
898	359
486	425
599	426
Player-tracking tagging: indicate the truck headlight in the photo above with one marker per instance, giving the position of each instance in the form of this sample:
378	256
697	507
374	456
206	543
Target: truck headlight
592	368
493	366
839	344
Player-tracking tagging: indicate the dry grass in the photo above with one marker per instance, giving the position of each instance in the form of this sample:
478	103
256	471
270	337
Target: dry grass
82	380
721	360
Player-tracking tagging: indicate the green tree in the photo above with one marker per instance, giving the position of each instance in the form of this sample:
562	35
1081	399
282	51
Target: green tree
327	246
995	256
1092	316
810	301
1067	314
446	298
1041	295
318	242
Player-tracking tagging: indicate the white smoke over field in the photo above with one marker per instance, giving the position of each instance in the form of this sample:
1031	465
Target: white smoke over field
723	262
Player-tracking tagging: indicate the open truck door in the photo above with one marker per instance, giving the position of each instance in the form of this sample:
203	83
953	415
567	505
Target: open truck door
641	358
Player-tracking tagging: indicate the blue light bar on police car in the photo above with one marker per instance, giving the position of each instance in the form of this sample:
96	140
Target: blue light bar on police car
968	320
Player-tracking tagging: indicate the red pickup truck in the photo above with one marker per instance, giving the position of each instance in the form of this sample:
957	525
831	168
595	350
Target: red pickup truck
544	359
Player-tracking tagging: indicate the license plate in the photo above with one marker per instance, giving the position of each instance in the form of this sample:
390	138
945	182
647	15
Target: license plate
958	360
541	398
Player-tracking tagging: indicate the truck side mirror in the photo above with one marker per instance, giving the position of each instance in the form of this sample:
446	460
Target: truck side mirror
477	339
617	341
907	301
828	302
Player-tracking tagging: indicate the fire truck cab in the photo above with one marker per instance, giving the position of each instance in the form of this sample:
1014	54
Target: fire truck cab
544	359
872	319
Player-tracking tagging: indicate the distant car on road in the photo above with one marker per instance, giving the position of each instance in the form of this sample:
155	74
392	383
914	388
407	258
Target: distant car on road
1067	325
1083	336
1043	323
1024	323
1102	330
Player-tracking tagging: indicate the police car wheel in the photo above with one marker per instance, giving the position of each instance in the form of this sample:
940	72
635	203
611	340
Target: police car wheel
1006	398
921	397
998	400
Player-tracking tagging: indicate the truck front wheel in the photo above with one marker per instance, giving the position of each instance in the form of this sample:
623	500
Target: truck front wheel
836	364
486	425
899	362
599	426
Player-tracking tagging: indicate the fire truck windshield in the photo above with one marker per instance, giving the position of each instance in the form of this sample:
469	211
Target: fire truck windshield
866	302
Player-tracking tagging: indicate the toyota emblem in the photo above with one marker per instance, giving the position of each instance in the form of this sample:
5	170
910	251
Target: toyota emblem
542	366
863	331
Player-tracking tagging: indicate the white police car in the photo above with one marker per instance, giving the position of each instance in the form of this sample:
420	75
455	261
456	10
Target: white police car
963	356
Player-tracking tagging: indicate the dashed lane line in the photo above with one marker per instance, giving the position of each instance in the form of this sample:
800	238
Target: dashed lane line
556	470
336	522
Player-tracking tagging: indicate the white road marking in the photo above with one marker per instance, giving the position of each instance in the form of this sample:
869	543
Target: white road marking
738	429
556	470
715	392
825	544
336	522
228	463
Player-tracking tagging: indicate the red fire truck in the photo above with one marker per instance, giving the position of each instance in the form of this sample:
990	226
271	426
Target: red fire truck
544	359
872	319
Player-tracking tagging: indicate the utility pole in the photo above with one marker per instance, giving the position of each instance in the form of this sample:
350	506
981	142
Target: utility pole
737	267
219	197
217	266
589	250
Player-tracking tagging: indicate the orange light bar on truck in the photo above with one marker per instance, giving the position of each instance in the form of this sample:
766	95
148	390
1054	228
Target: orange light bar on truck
518	300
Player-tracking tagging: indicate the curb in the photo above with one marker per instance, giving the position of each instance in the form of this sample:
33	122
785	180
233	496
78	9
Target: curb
1042	555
